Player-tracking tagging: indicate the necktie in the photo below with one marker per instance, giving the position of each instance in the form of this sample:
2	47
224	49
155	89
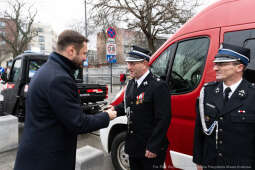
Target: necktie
136	85
134	89
226	94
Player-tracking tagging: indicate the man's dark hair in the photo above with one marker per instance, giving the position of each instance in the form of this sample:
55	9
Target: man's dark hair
70	37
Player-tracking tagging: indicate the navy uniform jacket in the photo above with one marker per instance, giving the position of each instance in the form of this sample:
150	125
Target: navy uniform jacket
54	118
236	131
149	117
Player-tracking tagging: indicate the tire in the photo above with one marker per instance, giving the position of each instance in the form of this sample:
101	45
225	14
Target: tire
120	159
2	108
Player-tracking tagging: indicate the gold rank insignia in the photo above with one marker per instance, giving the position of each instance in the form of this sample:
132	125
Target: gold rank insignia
140	98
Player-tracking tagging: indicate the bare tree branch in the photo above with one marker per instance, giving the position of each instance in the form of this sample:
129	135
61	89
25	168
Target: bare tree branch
152	17
19	26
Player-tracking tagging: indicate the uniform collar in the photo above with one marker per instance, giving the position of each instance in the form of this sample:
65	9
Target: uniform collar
233	87
140	80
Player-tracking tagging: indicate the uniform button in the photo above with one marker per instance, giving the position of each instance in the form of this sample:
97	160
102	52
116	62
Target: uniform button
221	130
220	142
221	118
220	154
243	118
132	102
131	132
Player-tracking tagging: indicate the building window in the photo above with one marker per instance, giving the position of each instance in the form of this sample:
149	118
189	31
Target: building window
2	24
2	33
126	49
41	38
2	42
40	29
42	47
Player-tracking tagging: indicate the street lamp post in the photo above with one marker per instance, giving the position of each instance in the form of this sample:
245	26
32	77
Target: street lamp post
86	34
86	25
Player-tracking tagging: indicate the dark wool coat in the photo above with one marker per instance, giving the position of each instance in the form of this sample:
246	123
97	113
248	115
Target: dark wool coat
54	118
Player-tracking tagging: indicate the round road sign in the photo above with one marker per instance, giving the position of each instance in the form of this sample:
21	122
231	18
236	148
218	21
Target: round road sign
111	32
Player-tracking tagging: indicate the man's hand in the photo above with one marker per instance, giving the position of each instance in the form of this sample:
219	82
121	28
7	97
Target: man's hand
199	167
111	107
149	154
112	114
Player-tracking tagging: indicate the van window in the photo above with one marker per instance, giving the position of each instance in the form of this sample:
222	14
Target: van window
244	38
188	65
160	66
15	71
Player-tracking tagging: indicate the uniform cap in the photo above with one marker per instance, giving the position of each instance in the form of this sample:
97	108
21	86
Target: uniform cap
228	53
138	54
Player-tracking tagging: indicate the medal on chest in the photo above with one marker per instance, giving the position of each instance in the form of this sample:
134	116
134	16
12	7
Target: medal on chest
140	98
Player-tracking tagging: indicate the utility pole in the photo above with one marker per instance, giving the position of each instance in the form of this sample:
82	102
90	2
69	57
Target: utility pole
86	25
86	34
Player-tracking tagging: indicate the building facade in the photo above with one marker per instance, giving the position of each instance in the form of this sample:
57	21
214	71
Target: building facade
7	29
45	41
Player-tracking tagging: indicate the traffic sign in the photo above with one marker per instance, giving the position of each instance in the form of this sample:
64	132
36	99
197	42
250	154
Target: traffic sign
111	32
111	40
111	53
110	49
111	58
86	63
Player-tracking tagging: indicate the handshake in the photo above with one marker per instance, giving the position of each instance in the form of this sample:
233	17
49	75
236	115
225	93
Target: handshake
111	112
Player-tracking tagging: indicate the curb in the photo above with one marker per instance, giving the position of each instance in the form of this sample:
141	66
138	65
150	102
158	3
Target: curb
89	158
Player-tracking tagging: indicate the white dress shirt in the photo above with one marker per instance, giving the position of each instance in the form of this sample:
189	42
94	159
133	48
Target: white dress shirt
233	87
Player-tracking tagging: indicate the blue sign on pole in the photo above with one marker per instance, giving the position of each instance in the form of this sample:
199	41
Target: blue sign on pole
111	58
86	63
1	69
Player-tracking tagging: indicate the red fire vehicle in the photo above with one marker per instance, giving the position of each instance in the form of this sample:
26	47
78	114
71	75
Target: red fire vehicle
185	61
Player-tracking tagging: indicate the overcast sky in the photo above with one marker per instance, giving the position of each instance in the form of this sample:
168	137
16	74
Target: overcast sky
60	14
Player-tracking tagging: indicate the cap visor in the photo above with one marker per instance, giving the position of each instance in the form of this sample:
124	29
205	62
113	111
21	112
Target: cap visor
220	58
133	59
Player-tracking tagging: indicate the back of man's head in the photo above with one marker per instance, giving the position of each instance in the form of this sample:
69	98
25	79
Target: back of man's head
70	37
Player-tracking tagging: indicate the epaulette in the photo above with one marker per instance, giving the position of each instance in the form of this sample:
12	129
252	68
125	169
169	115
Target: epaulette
211	83
252	85
156	77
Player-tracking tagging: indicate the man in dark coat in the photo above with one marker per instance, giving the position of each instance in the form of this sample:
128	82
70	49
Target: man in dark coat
225	126
54	117
147	105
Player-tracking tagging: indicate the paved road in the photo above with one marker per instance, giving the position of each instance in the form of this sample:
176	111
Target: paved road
7	158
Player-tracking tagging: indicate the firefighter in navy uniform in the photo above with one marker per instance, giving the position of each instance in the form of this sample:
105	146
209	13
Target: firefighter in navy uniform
147	106
225	126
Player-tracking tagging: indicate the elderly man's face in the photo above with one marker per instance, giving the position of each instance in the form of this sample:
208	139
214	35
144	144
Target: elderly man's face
137	68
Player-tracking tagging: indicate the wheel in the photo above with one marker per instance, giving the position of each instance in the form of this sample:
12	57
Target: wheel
1	108
120	159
